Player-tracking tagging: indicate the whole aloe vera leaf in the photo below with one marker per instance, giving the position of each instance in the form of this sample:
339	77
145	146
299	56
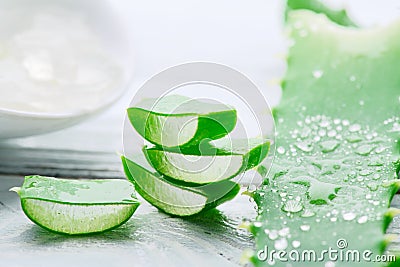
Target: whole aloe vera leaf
338	16
338	132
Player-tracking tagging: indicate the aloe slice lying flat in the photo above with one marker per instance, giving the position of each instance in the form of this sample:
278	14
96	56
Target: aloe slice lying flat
174	199
175	120
338	145
77	206
223	160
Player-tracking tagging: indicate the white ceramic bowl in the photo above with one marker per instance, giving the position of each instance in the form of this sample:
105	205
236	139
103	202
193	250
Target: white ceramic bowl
106	23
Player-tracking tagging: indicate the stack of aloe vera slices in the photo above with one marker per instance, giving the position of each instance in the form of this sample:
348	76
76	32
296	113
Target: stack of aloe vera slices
338	134
188	167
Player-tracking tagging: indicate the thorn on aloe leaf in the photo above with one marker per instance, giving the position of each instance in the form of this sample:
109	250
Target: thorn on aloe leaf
247	255
394	184
283	84
248	193
15	189
388	217
245	225
388	239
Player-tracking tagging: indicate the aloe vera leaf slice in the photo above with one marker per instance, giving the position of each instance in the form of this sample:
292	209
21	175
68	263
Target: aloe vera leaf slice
220	160
337	140
175	120
76	207
175	199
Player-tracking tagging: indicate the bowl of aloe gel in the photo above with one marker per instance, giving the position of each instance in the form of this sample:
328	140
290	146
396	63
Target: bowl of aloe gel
60	63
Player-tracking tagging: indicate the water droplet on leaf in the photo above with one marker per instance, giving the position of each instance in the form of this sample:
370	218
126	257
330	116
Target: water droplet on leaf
281	150
353	139
305	228
349	216
329	146
304	146
273	235
296	244
307	214
317	74
281	244
365	172
355	128
362	219
364	150
284	232
292	206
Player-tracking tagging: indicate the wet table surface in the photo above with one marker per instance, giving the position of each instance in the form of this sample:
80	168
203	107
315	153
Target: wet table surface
150	238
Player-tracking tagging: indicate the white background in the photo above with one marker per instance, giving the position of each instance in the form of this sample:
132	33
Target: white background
246	35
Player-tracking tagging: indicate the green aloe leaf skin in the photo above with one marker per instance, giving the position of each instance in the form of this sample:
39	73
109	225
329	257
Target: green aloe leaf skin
338	16
172	198
77	207
179	121
209	162
338	133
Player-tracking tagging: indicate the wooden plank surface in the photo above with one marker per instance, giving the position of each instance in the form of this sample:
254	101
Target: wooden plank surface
59	163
